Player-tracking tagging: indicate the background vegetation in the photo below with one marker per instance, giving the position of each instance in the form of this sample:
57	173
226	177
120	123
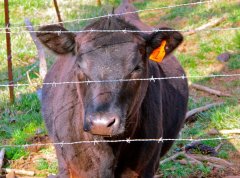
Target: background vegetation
22	123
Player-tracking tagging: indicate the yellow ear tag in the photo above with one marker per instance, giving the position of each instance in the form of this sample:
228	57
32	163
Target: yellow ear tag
158	54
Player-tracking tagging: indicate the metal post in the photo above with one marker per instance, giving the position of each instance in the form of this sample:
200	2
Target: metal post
58	12
9	53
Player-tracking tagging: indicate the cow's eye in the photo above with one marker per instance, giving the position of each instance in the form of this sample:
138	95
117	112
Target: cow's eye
138	68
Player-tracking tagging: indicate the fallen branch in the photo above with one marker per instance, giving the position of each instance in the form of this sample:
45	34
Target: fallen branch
201	109
17	171
11	175
211	159
40	49
215	165
209	90
2	153
193	159
212	23
233	131
172	157
185	162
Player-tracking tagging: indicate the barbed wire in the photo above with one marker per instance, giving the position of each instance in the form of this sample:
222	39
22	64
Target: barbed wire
128	140
112	15
152	79
127	31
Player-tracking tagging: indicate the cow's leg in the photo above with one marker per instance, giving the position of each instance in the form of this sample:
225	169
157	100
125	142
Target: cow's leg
63	170
129	173
140	161
85	161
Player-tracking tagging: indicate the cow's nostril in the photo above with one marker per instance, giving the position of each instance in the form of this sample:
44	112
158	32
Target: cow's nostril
111	123
107	124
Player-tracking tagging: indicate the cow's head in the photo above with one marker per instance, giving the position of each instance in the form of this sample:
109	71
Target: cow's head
106	57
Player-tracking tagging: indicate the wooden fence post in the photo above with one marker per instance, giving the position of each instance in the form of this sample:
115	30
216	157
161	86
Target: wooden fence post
9	52
99	3
58	12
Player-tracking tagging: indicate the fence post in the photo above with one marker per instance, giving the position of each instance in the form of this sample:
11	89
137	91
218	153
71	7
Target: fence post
99	3
58	12
9	52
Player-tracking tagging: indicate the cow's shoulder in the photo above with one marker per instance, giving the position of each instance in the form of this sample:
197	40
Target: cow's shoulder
55	94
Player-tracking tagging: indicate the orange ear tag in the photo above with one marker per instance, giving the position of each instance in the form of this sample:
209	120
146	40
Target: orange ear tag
158	54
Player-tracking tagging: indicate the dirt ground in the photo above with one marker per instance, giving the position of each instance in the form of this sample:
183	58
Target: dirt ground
29	164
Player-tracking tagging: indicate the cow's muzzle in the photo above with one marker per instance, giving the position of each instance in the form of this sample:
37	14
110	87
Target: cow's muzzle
106	124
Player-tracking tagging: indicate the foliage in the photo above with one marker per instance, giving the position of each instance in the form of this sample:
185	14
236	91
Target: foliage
20	121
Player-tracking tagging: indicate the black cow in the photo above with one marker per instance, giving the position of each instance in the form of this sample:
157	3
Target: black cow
136	109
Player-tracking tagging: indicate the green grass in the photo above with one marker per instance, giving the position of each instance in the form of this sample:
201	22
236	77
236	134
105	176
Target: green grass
234	62
174	169
42	164
15	153
46	166
19	122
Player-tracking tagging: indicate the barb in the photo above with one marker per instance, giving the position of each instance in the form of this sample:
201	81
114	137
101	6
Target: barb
122	80
120	14
128	140
127	31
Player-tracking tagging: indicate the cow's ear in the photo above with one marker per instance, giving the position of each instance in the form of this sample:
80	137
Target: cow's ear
163	42
57	39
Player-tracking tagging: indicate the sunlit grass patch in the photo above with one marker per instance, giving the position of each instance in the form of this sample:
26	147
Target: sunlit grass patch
16	153
234	62
175	169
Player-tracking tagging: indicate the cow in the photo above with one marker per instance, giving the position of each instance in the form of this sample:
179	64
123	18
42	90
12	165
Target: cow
104	94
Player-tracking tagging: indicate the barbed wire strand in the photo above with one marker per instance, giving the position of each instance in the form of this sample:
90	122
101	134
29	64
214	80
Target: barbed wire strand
153	79
128	140
118	14
127	31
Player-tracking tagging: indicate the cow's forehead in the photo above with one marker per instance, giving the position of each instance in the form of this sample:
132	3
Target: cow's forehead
104	48
100	40
114	60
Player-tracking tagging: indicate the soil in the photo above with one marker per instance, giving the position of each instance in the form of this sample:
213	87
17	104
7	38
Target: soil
29	163
234	158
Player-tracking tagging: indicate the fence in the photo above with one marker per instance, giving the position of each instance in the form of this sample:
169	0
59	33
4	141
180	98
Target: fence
151	79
